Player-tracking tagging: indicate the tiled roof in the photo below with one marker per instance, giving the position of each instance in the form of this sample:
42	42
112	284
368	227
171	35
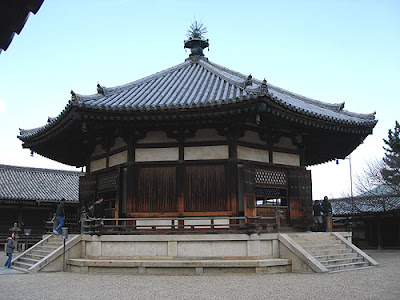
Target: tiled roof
21	183
372	202
13	16
198	83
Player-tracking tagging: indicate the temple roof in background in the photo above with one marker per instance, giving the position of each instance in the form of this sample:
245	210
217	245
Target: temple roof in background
41	185
379	200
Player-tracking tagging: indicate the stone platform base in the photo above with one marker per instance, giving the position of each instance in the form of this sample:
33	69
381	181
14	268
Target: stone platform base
196	254
180	266
200	254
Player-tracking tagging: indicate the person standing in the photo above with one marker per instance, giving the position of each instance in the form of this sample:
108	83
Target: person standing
60	214
317	210
98	209
327	211
10	249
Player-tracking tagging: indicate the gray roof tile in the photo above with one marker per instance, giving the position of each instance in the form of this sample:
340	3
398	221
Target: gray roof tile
198	83
378	200
22	183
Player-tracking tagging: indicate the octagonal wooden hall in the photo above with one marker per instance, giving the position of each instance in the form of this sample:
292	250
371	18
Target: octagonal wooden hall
199	139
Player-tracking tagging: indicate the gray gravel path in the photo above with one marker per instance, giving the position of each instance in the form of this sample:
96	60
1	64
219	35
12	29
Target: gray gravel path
374	283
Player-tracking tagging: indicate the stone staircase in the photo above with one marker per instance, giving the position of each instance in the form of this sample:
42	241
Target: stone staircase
39	255
333	251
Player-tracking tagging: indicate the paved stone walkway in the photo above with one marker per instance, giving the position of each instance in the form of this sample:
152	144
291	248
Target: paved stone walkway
373	283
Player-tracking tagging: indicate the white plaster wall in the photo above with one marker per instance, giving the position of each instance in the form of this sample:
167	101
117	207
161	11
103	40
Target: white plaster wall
206	152
252	154
208	134
156	137
156	222
157	154
207	223
99	164
286	159
251	137
119	143
118	158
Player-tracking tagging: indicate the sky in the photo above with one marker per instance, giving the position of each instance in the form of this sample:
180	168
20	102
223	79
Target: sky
331	51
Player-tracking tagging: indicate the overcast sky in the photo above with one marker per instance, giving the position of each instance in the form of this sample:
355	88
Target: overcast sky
332	51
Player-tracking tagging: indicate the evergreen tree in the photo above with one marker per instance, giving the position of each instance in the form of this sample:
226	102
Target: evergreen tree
391	169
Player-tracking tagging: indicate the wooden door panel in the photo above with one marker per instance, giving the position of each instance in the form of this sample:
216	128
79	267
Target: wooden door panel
300	198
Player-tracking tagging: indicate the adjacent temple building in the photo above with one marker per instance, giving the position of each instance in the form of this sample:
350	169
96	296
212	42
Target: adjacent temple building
199	139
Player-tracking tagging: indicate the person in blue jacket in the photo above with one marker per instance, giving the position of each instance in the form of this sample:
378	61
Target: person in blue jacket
10	249
60	214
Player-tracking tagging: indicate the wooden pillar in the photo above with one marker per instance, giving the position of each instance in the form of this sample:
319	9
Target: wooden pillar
132	182
233	186
379	233
180	187
329	224
180	181
249	191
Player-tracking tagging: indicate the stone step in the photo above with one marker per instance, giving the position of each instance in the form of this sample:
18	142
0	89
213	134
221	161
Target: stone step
336	256
341	267
330	252
325	247
19	263
341	261
350	269
312	236
28	259
41	252
180	266
35	256
316	241
24	270
49	247
53	244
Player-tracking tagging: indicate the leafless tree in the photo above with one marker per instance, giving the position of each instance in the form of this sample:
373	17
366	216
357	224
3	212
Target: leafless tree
370	178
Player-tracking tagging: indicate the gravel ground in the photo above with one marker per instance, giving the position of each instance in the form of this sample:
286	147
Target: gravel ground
374	283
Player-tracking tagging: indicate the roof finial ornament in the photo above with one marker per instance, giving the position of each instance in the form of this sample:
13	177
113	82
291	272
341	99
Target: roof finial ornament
264	87
196	42
249	80
73	95
100	89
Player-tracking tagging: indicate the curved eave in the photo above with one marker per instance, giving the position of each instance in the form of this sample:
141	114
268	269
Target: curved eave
14	16
273	106
57	122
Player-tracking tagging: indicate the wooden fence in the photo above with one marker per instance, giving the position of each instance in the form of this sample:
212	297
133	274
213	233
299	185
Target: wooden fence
181	225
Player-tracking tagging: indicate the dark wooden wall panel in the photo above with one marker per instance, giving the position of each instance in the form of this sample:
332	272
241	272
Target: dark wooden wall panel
205	188
157	189
87	189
